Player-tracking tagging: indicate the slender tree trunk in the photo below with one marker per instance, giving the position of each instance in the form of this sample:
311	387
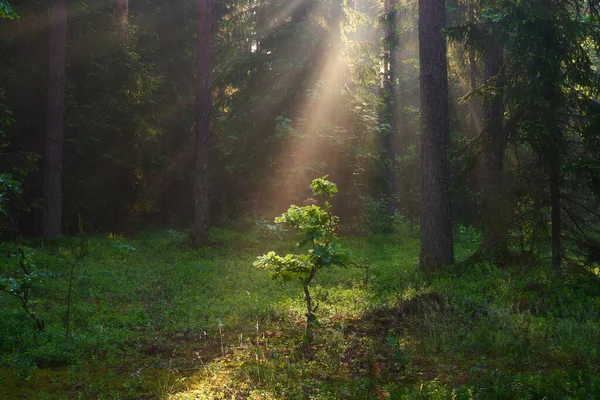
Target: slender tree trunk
55	120
310	316
473	120
552	166
204	60
391	98
493	211
552	150
436	219
555	209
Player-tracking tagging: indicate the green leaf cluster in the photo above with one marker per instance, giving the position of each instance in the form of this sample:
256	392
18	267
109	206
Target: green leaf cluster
6	11
18	286
7	184
286	268
323	187
318	228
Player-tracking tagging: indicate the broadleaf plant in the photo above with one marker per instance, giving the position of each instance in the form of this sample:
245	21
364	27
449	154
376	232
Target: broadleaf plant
318	229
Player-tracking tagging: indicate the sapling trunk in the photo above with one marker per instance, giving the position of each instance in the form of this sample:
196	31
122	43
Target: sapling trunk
25	296
24	300
68	322
81	252
310	315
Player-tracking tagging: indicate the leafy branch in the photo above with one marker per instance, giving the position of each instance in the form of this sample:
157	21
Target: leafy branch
17	287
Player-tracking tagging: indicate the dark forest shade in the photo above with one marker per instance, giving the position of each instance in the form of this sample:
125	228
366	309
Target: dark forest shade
55	120
123	11
436	223
204	61
128	147
122	18
493	144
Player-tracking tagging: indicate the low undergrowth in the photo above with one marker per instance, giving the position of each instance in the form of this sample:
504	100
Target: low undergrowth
153	318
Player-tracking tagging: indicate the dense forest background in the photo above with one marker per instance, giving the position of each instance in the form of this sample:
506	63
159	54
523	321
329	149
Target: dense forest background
300	91
129	155
441	122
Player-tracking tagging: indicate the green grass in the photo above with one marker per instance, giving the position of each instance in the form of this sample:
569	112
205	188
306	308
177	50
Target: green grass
153	317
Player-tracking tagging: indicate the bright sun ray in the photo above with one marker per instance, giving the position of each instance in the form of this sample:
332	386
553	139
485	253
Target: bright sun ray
320	108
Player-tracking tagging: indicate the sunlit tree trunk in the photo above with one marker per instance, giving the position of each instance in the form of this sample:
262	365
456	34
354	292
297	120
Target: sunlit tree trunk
436	221
204	59
493	140
55	120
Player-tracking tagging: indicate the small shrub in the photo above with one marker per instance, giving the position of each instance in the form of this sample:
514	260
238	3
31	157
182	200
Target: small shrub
318	228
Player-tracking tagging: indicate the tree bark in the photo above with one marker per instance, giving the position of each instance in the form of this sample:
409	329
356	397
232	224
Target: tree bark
204	61
436	220
493	140
391	97
551	154
554	175
552	149
473	114
55	120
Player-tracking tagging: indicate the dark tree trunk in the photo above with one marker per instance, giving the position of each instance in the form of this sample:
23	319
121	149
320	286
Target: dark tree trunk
555	208
55	120
552	166
391	98
493	144
436	221
473	120
204	60
552	148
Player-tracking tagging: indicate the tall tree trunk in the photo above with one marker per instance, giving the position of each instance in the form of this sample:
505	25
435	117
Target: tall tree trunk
552	158
554	176
473	120
436	218
552	149
391	97
55	120
493	140
204	60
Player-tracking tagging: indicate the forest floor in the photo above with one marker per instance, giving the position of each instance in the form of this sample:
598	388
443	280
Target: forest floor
152	318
